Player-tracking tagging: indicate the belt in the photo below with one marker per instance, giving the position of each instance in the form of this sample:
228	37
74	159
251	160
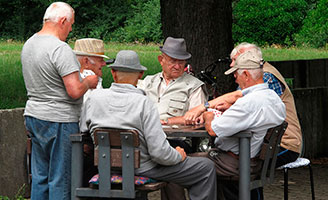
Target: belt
233	155
237	156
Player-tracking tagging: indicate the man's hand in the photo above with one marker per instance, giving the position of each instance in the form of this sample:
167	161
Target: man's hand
91	81
208	118
192	115
182	152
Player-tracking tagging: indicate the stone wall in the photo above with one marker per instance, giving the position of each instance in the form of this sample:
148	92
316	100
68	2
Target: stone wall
13	174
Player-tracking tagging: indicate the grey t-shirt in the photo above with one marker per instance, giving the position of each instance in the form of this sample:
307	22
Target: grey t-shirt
45	60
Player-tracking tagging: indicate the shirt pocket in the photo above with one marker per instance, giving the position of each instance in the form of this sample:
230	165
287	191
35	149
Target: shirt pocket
177	106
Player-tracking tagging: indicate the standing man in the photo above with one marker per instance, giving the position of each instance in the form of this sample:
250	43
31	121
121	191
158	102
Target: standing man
54	90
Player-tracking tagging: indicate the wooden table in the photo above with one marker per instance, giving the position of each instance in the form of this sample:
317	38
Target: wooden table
244	152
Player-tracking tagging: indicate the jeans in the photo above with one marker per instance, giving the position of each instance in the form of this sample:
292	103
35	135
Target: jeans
51	158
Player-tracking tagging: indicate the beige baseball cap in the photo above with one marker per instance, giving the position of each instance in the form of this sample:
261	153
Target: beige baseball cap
247	60
89	47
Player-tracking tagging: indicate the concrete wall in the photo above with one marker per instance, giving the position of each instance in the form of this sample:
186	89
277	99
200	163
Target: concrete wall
13	175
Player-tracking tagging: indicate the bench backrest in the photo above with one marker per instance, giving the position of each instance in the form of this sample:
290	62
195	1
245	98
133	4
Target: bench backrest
116	143
116	151
268	155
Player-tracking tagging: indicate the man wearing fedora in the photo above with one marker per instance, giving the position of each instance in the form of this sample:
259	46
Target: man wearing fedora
54	90
174	92
90	53
127	107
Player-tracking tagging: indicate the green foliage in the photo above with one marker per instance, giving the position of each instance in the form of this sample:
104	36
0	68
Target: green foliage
143	26
98	18
267	22
314	32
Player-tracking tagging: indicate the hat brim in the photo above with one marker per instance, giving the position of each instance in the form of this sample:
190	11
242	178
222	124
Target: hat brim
80	53
125	68
175	55
231	70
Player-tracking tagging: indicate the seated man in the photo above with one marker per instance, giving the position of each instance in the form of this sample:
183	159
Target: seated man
259	109
126	107
90	53
291	141
174	92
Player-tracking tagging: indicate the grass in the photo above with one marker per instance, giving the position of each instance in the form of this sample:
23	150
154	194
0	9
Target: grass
12	88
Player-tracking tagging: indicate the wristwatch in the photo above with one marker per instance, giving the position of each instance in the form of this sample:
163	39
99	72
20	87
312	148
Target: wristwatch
206	105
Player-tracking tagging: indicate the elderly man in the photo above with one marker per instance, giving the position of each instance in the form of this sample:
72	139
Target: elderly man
90	53
259	109
54	90
110	108
174	92
291	141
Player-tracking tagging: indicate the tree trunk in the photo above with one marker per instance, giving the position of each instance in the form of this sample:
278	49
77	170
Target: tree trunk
206	27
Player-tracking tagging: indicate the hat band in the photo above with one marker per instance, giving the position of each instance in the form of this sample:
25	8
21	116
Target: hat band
101	53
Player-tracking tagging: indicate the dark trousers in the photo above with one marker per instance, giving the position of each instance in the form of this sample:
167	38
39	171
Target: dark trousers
285	156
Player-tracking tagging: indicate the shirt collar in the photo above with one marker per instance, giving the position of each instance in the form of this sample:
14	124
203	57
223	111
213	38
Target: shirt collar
261	86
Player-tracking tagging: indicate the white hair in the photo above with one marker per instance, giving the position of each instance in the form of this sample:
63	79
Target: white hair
240	48
255	73
58	10
90	59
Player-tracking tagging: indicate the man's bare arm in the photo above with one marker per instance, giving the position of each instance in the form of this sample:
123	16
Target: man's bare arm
75	88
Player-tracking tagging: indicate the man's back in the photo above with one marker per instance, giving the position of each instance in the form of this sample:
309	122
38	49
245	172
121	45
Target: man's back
258	110
126	107
45	60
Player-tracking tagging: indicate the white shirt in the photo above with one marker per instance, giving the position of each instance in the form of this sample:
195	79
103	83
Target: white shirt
259	109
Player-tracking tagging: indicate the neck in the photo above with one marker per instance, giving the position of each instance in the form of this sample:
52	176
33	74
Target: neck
49	28
167	79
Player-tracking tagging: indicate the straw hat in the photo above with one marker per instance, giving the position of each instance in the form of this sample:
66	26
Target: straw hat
89	47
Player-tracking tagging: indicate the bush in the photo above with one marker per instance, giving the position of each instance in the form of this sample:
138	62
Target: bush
314	32
267	22
143	26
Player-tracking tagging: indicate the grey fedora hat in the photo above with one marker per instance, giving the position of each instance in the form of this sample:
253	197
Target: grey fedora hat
175	48
128	61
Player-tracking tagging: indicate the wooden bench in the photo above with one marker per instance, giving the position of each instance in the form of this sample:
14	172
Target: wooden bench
116	153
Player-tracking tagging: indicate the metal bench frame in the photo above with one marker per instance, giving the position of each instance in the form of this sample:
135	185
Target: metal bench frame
118	152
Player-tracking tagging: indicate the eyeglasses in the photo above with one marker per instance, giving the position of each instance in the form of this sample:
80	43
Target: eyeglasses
174	61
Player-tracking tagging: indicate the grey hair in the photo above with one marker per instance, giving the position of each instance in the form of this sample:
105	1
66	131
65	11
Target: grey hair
58	10
255	73
240	48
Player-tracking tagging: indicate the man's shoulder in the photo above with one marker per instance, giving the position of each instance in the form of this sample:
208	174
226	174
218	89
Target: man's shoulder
191	79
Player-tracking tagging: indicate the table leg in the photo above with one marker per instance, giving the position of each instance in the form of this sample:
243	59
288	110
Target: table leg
244	168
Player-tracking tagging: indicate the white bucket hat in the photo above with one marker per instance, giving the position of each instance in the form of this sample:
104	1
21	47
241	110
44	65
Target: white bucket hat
128	61
89	47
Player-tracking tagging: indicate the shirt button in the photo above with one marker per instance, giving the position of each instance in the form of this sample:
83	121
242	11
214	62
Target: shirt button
175	111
